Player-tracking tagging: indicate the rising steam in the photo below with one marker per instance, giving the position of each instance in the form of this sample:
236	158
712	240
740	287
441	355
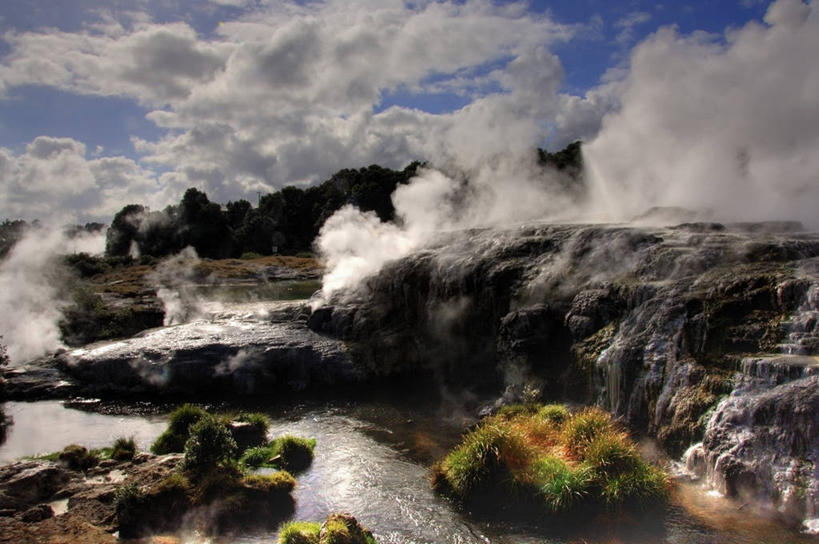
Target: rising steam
726	130
34	288
731	127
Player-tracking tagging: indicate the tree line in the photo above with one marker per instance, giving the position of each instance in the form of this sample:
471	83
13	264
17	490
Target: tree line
285	222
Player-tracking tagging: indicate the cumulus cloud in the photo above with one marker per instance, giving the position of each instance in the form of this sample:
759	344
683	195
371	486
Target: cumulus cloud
53	180
290	92
731	126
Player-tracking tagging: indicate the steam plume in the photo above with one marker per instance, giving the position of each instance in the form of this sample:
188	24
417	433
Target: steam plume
33	290
731	127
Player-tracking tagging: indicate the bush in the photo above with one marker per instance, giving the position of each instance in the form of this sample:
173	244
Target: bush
210	444
176	435
78	457
123	449
299	532
249	255
129	503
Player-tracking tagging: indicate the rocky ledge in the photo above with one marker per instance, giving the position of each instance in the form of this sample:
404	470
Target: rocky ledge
655	325
240	352
43	501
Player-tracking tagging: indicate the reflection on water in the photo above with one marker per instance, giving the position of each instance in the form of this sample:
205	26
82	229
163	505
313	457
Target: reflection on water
278	290
44	427
372	460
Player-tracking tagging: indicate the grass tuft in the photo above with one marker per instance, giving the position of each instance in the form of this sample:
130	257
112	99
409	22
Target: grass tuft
549	457
124	449
299	532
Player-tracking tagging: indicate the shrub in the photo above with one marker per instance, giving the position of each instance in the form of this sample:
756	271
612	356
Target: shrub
176	435
123	449
294	454
527	457
299	532
129	502
210	443
249	255
78	457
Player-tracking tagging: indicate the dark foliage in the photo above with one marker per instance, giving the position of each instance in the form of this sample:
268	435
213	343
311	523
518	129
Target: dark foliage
10	234
285	222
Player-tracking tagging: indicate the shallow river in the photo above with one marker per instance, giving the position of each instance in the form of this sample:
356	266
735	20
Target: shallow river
372	459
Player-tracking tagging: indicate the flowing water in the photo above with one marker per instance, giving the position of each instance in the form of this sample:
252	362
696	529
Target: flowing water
372	459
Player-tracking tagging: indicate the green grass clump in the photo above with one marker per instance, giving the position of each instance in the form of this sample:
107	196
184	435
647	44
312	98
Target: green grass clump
176	435
249	429
257	457
209	445
78	457
580	429
299	532
344	529
554	413
129	502
281	481
559	485
546	456
476	461
123	449
292	453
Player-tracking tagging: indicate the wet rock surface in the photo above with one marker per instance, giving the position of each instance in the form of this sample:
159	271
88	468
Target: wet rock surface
652	324
28	489
220	354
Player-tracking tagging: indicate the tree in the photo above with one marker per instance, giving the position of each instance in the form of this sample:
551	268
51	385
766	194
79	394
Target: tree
123	230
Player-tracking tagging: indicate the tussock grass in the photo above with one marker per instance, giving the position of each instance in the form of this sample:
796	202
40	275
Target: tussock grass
123	449
545	456
299	532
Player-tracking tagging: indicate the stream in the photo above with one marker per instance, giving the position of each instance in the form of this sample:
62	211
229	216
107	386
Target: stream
373	456
372	460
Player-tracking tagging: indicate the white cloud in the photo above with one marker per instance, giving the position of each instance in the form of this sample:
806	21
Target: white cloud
54	181
286	93
628	23
733	126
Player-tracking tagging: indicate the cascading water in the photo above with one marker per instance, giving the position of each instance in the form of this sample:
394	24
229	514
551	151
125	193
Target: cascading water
761	442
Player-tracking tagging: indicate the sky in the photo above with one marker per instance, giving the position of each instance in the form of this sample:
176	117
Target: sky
106	103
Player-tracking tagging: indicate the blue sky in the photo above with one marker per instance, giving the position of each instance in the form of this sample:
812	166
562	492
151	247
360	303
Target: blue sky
239	96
